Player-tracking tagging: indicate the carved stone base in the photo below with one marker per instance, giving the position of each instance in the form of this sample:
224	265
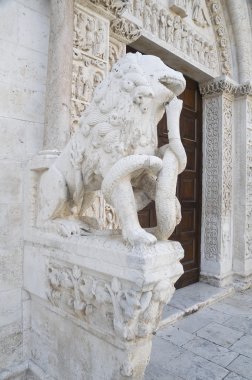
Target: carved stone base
95	303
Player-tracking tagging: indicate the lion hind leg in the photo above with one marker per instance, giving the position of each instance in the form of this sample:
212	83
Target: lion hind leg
53	195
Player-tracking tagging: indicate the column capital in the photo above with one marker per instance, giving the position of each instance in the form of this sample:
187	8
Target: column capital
218	86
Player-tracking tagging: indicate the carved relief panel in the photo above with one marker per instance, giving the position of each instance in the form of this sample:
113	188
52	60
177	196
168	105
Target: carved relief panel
183	26
90	58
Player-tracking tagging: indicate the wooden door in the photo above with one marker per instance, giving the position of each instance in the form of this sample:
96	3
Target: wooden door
189	184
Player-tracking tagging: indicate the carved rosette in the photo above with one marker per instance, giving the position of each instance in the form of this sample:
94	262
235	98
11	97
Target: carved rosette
221	35
248	232
112	306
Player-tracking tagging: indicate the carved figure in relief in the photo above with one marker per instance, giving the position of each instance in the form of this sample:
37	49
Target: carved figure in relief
99	43
198	14
170	29
138	8
154	24
89	39
115	150
177	31
184	37
147	16
162	23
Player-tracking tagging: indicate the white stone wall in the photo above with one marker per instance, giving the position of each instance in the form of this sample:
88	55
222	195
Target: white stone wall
24	31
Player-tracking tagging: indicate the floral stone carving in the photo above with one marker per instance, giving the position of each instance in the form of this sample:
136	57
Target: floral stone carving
115	150
128	313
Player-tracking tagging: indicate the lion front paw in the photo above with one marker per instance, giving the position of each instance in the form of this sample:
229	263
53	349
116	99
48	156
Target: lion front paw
139	236
68	228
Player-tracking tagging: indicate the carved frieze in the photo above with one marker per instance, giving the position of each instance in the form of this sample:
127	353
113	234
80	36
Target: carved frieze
124	30
111	306
220	85
212	184
114	7
199	15
116	50
245	89
90	57
227	157
218	22
171	27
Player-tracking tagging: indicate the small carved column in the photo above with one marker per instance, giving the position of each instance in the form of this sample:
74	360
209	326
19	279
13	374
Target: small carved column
59	75
216	252
243	184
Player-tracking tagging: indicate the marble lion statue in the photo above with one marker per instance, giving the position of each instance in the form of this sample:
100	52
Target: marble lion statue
116	150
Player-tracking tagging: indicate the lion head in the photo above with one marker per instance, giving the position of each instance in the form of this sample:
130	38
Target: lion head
126	107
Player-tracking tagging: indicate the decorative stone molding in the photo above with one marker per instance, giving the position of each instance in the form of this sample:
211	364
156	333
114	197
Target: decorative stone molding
211	188
169	26
127	313
124	30
245	89
116	50
221	34
90	58
227	157
104	313
113	7
218	86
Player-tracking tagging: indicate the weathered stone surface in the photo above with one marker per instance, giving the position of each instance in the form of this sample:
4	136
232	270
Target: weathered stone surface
216	333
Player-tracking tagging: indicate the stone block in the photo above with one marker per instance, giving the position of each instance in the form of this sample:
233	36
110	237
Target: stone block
33	31
11	262
10	220
219	334
9	23
242	366
243	346
10	307
24	66
105	314
41	6
11	182
12	139
211	351
21	103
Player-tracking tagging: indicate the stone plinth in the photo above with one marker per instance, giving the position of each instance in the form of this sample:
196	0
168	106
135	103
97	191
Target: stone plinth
95	303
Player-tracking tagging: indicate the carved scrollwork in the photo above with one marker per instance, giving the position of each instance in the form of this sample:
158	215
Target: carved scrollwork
115	7
125	30
212	186
218	86
227	157
218	22
120	310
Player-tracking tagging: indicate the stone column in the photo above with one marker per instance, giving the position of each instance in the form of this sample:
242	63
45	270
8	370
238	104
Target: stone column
217	195
59	75
243	185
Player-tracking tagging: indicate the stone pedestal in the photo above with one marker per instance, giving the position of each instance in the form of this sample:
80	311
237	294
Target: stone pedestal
95	303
